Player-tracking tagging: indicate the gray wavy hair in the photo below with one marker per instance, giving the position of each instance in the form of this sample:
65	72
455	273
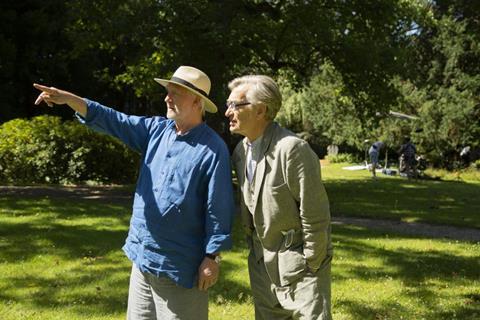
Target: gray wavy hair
260	89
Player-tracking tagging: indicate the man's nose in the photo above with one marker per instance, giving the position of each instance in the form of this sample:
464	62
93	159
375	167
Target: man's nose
228	112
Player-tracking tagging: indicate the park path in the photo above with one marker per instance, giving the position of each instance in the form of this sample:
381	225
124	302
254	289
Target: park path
124	196
413	228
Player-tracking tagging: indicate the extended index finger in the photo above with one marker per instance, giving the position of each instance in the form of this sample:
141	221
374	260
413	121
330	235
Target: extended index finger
43	88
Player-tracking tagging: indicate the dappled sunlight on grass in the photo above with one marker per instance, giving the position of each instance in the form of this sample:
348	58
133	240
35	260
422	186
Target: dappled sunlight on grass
372	270
62	259
437	202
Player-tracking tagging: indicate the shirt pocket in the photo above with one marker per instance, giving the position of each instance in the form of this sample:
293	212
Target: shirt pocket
177	184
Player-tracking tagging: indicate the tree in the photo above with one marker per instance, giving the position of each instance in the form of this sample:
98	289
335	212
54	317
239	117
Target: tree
30	45
324	109
446	94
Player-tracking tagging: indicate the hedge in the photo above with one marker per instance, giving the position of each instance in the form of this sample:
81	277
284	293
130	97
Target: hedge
46	149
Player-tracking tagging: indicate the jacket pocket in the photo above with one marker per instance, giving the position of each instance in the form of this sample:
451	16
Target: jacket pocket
291	264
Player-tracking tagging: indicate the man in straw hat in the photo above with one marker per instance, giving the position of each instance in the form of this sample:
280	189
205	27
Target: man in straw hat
183	206
284	207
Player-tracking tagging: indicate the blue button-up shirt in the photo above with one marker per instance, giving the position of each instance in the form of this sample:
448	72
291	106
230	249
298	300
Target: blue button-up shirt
183	205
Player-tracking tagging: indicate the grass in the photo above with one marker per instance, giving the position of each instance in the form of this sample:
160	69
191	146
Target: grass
61	258
380	276
354	193
467	175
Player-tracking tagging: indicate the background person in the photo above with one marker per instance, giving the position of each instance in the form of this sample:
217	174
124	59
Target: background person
407	159
374	153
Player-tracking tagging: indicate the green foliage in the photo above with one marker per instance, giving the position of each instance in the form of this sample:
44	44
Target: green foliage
470	174
341	158
113	49
47	150
31	43
476	164
447	103
323	109
342	63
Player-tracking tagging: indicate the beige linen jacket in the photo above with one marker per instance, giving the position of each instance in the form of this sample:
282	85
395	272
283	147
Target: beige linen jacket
291	213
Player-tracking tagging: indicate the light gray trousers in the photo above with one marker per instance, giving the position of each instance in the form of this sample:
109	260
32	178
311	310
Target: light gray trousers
159	298
306	299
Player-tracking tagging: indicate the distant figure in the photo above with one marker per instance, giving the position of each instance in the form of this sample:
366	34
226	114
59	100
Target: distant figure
374	152
407	158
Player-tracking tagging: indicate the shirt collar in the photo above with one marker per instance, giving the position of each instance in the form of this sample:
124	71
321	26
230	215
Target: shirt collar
192	132
256	147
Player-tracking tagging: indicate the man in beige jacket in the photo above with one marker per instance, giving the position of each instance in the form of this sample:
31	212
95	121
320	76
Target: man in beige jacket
284	207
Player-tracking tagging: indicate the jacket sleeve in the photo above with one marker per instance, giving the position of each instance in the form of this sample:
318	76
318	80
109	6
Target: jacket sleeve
304	181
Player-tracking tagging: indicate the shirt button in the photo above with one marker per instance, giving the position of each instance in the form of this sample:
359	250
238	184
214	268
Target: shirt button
155	189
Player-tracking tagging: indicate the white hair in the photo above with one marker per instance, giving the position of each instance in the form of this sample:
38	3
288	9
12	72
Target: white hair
260	90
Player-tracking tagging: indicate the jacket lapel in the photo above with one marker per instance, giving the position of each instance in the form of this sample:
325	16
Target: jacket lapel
260	170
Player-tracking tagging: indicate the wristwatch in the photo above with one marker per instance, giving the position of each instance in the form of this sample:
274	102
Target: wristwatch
214	257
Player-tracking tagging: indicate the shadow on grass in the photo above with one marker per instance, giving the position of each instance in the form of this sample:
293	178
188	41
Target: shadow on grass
359	310
97	283
23	241
414	269
64	208
79	289
229	291
35	226
74	237
436	202
85	270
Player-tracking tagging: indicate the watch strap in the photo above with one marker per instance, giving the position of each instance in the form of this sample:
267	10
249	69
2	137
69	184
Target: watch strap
214	257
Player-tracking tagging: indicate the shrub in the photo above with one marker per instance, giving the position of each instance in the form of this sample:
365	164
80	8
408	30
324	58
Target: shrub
46	150
341	158
476	164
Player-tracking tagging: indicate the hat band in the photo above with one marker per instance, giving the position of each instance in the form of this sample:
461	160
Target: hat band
188	84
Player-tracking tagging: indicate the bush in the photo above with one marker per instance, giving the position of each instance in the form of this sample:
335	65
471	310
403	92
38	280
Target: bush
476	164
46	150
341	158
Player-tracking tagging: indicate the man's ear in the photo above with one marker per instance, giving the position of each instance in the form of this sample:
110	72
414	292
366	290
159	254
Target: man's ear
198	102
261	111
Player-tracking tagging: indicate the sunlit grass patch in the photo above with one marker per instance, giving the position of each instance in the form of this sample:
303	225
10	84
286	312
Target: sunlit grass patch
62	259
355	193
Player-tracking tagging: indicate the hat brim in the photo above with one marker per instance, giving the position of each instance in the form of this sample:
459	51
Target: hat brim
209	105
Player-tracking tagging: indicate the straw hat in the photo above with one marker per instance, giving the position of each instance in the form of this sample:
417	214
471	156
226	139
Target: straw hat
194	81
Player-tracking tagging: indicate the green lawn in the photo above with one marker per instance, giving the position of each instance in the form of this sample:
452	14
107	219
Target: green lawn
355	193
62	259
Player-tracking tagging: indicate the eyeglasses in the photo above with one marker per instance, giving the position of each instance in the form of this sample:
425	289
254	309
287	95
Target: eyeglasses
236	105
